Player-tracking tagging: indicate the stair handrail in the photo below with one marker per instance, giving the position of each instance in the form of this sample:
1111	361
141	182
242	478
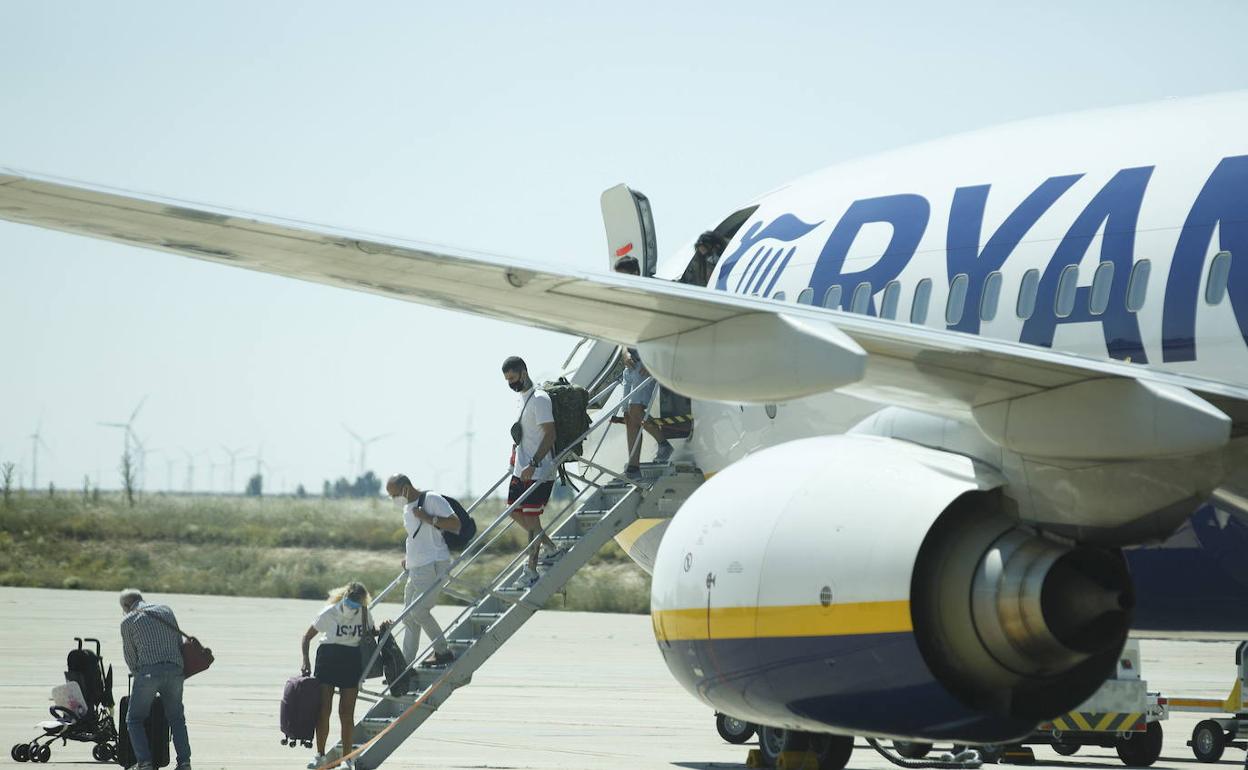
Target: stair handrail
429	596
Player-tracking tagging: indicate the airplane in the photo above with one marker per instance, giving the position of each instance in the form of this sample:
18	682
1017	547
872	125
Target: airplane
951	402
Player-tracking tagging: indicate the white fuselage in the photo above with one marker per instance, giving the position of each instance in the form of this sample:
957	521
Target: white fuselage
1000	213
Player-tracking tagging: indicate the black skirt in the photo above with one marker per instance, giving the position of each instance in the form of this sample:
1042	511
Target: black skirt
338	665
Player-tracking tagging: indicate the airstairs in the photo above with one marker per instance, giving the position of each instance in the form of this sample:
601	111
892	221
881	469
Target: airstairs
498	606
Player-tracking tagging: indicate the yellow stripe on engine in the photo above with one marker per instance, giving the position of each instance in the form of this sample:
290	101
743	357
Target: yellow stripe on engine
787	621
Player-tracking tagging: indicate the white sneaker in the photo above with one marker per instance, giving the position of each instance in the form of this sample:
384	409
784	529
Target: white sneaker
528	576
317	761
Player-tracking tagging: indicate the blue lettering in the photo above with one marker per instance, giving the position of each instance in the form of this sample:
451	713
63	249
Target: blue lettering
1222	203
785	228
907	213
1117	206
966	219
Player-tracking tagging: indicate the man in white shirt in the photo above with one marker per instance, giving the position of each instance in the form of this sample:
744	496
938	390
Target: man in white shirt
532	459
425	517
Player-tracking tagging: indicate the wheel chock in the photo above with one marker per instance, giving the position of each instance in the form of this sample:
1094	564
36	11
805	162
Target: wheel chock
797	760
1019	755
754	759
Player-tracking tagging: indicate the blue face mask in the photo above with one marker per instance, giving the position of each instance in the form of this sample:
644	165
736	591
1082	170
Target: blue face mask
350	604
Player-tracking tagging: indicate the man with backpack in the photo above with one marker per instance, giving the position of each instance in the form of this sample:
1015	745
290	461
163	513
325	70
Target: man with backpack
426	515
532	459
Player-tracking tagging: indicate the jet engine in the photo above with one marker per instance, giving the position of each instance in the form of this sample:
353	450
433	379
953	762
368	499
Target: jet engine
867	585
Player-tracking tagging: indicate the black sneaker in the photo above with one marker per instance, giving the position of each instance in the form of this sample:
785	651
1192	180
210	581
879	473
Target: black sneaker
439	659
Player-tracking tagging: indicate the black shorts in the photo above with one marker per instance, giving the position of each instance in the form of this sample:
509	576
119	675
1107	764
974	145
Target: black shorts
338	665
535	503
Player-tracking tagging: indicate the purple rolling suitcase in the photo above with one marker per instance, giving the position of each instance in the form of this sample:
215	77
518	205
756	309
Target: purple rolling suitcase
301	704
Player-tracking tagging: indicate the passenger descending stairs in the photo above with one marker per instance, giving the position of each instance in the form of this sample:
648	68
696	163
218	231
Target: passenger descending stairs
497	611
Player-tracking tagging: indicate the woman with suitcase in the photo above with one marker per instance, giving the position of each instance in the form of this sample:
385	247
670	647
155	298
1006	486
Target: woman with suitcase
341	625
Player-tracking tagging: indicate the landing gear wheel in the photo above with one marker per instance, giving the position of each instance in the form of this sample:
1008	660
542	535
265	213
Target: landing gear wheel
774	741
912	749
832	751
1066	749
733	730
1208	741
20	752
1143	749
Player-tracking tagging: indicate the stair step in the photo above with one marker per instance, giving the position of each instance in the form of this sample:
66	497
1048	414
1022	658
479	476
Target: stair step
484	620
586	521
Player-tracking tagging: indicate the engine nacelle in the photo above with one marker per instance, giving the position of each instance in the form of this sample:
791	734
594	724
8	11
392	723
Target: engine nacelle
867	585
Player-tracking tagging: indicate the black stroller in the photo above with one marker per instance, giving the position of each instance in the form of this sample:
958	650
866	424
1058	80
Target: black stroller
83	710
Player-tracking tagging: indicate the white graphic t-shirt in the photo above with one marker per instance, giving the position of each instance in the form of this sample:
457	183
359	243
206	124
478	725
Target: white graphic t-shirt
425	543
339	625
535	411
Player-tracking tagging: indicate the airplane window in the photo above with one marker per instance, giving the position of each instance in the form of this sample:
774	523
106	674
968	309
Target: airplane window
832	299
1067	288
991	297
957	298
778	296
1102	280
1027	293
1137	287
806	296
892	293
922	296
1219	273
861	301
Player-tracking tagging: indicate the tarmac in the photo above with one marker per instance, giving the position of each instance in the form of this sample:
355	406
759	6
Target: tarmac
570	690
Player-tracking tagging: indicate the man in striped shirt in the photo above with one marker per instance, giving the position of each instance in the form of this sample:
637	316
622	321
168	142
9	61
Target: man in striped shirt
152	647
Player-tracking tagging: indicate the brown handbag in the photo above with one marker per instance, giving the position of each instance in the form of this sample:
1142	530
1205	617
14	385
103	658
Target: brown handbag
195	656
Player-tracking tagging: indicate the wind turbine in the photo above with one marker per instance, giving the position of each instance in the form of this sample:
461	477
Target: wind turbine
233	455
467	437
128	426
36	441
190	469
364	442
141	452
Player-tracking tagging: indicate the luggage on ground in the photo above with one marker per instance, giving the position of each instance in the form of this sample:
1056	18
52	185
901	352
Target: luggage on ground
570	406
301	705
157	734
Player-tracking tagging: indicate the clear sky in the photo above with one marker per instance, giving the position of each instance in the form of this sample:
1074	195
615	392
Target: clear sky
486	125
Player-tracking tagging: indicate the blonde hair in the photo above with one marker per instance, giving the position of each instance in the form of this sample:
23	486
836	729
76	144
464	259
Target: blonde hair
354	589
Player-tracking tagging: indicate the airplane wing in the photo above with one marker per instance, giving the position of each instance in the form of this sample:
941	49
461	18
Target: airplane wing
699	341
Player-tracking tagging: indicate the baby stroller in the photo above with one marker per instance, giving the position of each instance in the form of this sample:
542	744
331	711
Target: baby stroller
83	710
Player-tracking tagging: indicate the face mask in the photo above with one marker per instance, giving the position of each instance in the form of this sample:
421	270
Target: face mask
517	386
400	501
350	604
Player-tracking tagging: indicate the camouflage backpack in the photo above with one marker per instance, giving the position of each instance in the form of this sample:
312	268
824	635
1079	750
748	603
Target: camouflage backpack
570	405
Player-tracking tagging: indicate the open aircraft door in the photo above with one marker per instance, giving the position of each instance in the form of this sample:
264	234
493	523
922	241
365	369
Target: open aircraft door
630	228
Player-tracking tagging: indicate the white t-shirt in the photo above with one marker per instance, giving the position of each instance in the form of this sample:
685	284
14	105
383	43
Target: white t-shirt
428	545
339	625
536	411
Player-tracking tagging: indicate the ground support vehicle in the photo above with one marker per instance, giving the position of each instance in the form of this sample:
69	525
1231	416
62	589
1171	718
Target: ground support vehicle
1212	736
